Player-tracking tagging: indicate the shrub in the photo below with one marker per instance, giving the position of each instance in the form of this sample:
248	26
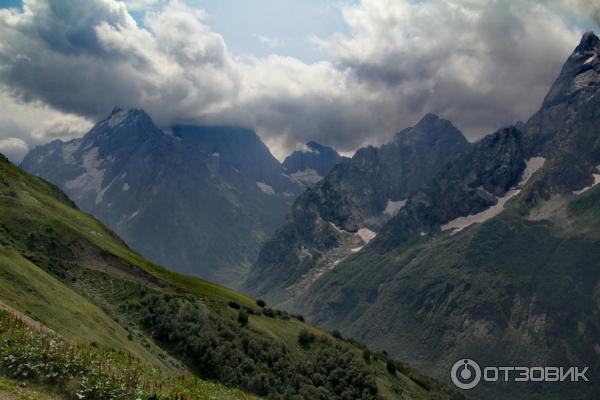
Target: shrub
337	334
260	384
42	357
269	312
234	305
242	318
305	338
367	355
261	303
391	366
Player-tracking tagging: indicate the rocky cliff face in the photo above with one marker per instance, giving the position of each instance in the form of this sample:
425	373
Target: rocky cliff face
311	163
344	211
201	200
565	129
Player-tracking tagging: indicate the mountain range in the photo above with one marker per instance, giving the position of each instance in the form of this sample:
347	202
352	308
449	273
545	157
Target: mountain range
199	199
344	211
82	316
429	249
488	251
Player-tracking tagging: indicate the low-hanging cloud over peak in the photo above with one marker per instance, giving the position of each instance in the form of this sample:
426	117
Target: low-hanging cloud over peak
479	63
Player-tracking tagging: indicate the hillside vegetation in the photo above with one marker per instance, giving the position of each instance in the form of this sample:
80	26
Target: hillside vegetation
98	298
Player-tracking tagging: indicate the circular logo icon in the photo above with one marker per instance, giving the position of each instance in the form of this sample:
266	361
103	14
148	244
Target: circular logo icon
465	374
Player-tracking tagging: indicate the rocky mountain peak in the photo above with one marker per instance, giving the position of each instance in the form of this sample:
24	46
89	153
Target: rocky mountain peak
589	42
116	110
132	127
118	116
429	118
314	145
432	124
430	129
310	163
580	75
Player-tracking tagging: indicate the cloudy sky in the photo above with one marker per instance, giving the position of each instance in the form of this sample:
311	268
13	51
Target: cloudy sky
344	73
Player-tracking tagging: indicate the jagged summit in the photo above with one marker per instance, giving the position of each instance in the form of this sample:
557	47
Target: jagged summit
589	42
431	128
580	75
116	110
430	117
123	128
314	145
310	163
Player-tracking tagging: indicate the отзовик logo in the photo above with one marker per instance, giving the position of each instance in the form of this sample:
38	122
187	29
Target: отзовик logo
466	374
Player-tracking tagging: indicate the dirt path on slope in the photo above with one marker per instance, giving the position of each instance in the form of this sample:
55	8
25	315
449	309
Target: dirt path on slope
32	323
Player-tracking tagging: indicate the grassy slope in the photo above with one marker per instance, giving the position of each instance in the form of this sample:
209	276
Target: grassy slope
28	288
31	205
49	367
39	226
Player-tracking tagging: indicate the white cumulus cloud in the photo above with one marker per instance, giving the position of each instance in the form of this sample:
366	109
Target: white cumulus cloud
481	64
13	148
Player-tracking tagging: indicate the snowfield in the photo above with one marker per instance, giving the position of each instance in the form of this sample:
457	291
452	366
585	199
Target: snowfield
533	165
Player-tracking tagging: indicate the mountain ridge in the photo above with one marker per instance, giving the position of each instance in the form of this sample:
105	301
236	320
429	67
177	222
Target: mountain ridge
341	213
201	199
495	258
311	163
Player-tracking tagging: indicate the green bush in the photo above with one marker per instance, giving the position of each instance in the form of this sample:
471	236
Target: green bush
367	355
242	318
269	312
305	338
391	366
261	303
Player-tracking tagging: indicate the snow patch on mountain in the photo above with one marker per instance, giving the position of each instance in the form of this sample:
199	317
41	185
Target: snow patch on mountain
117	118
265	188
366	234
68	149
125	187
533	165
304	148
100	195
133	215
583	80
596	181
91	179
461	223
308	176
393	207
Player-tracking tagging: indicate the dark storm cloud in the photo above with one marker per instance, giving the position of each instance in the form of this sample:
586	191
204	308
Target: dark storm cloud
86	57
479	63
